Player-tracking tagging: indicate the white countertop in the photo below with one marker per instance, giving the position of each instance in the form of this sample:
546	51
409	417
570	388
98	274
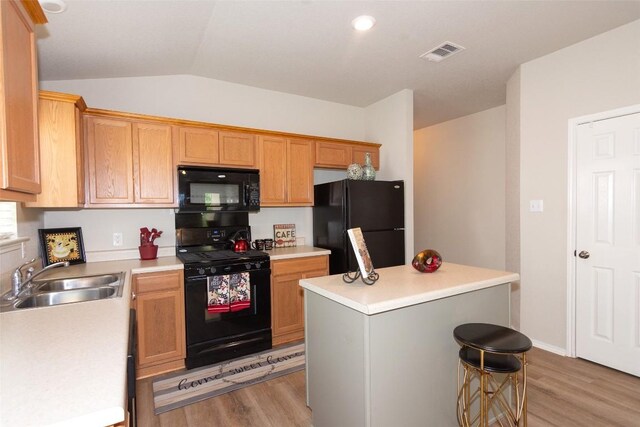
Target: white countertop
296	252
66	365
403	286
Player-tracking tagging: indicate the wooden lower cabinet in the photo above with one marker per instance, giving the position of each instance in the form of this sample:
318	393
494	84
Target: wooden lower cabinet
287	298
158	299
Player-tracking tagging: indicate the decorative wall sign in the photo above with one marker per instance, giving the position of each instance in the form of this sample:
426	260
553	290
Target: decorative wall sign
61	244
284	235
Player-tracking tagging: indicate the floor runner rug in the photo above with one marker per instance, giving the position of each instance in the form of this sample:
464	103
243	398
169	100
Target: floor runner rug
183	388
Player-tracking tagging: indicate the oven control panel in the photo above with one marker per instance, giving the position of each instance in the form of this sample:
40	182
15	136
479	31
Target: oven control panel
193	272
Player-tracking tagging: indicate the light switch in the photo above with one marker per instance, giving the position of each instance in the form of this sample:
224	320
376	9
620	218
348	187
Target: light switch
536	206
117	239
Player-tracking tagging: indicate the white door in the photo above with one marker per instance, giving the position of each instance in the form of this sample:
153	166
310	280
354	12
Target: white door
608	243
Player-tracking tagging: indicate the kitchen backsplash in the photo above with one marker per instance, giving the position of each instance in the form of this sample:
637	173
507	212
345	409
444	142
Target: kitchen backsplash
99	225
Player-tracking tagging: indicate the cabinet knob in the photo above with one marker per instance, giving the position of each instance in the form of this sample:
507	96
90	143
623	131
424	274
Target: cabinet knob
133	296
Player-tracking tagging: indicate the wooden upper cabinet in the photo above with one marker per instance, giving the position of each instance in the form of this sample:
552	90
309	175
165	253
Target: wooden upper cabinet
273	172
286	173
153	171
300	172
338	155
238	149
19	152
110	160
197	146
359	152
130	162
61	151
332	154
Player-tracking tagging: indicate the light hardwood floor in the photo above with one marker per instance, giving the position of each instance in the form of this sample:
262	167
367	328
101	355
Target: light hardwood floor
563	392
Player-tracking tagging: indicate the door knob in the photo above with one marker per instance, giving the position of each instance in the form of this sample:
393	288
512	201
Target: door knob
584	254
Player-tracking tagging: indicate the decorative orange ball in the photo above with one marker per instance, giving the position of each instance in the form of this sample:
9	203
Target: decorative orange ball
427	261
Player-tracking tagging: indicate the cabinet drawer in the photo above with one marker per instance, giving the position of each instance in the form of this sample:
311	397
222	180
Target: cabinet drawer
160	281
299	265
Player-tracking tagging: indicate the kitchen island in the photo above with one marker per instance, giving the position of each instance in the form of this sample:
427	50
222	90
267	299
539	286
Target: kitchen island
384	354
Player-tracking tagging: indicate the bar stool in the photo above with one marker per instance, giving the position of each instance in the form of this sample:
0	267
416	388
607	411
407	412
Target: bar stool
487	350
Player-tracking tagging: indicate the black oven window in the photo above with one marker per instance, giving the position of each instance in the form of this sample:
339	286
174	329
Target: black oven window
214	194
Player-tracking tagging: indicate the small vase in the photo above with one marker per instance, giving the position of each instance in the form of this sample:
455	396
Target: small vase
148	251
354	171
368	172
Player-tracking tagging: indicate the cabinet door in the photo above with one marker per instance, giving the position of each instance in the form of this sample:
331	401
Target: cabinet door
300	172
287	297
332	155
19	152
359	152
158	322
237	149
153	170
198	145
61	159
288	310
159	304
110	160
273	175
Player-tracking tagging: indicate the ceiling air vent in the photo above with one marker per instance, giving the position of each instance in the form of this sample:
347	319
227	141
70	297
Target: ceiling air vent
445	50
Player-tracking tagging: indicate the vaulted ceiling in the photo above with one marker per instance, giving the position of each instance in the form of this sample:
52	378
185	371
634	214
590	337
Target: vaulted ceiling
309	48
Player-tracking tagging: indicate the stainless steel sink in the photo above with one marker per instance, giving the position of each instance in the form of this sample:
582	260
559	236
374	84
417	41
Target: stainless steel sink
57	291
47	299
77	283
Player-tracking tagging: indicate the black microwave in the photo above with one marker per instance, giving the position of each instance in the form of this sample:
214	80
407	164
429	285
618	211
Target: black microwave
203	189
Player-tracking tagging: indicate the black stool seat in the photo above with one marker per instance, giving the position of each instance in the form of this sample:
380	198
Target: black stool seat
491	338
494	363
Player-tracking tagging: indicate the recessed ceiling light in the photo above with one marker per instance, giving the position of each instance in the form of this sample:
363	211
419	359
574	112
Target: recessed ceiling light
363	23
53	6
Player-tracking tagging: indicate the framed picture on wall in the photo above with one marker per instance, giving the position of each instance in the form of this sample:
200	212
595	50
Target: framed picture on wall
62	244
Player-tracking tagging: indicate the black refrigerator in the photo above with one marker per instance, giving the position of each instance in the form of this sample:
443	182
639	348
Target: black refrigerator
377	207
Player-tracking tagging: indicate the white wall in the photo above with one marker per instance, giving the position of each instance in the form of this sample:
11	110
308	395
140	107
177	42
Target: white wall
459	194
13	255
390	122
598	74
197	98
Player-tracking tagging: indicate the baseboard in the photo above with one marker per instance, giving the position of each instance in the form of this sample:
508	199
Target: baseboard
550	348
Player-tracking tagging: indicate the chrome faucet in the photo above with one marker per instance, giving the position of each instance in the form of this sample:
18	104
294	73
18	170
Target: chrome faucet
19	283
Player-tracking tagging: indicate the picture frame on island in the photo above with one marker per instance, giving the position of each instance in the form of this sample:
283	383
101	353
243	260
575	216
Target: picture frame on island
367	272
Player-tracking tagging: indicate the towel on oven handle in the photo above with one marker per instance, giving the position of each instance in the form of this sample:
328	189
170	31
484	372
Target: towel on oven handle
218	294
240	291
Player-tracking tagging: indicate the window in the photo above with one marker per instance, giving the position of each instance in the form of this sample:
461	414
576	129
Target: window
8	222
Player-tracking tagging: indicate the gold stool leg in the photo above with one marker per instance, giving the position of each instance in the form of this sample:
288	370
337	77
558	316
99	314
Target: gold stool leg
483	393
524	388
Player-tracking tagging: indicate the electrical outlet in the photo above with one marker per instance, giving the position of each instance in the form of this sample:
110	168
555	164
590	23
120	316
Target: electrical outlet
117	239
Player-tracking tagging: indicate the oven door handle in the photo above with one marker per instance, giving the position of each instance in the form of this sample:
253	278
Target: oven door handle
229	345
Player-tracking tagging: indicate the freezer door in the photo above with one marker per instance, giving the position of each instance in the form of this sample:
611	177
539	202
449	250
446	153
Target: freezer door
386	249
375	205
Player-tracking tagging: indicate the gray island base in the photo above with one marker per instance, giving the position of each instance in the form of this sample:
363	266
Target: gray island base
384	355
